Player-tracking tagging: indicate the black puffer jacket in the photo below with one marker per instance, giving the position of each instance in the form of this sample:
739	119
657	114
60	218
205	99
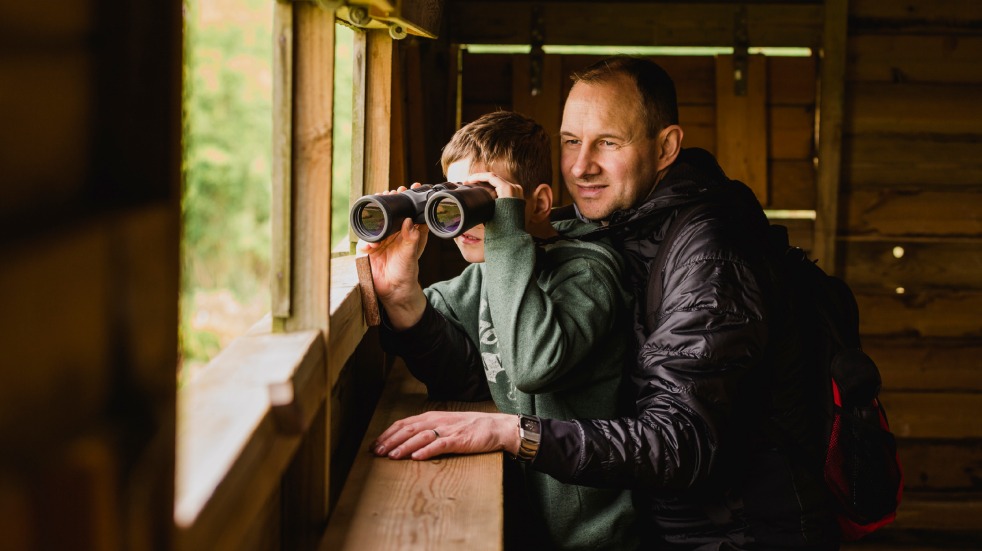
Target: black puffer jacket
718	398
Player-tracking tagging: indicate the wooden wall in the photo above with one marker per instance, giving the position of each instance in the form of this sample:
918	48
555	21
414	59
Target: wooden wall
912	176
89	213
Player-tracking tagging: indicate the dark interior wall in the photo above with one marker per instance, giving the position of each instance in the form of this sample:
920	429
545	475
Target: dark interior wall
89	213
911	236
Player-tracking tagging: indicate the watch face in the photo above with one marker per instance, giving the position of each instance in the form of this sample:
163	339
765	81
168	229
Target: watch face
530	424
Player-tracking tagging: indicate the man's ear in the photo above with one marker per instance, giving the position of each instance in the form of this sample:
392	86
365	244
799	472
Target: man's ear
669	145
540	202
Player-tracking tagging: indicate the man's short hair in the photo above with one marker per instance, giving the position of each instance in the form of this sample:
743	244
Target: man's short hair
507	140
659	104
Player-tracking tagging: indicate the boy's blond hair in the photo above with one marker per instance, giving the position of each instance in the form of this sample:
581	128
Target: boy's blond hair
504	140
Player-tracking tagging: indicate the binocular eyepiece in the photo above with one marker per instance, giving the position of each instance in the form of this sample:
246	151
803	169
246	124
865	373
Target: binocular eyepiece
448	209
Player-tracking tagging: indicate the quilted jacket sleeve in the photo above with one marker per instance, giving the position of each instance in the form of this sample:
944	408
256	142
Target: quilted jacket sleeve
710	333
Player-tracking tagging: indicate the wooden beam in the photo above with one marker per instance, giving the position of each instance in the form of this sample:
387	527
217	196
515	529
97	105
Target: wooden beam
634	23
282	202
312	150
831	94
378	119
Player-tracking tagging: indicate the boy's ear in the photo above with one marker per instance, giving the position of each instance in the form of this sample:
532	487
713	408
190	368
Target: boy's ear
541	202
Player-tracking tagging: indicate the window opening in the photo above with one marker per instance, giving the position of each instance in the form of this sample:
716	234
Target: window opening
225	242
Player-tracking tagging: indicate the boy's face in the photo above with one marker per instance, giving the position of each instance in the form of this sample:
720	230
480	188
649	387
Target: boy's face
471	242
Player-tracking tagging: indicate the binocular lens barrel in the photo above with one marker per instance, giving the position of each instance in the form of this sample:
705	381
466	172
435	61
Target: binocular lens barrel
448	209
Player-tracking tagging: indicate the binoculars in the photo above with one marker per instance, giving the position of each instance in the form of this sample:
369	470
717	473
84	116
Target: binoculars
448	209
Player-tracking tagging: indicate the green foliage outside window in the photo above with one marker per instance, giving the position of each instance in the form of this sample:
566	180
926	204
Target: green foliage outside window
227	165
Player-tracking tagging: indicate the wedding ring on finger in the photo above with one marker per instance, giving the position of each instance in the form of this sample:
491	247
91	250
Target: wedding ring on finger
435	433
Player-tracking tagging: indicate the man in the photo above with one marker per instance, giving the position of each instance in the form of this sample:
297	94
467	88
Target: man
721	406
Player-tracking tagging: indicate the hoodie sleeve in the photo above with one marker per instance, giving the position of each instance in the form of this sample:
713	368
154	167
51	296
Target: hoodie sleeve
548	323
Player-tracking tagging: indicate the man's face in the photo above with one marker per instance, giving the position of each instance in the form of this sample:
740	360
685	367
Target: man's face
608	161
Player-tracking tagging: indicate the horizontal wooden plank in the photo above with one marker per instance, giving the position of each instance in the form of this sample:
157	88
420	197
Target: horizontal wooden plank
233	445
875	264
912	108
934	414
913	16
791	132
927	364
941	464
631	23
939	58
924	159
912	212
926	314
792	185
453	502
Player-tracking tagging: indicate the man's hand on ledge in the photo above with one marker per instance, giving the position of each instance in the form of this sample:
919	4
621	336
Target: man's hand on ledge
448	432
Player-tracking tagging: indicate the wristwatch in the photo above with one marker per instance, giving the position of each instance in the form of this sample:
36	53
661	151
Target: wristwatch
529	431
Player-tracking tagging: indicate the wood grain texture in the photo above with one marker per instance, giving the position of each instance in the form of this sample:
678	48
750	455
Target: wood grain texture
830	122
934	58
312	156
941	465
913	108
901	211
943	264
378	118
927	314
546	107
741	123
281	200
924	160
448	503
927	364
934	414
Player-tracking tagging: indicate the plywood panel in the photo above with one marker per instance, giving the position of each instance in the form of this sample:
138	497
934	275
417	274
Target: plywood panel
912	212
926	314
911	108
923	159
927	364
940	58
875	264
934	414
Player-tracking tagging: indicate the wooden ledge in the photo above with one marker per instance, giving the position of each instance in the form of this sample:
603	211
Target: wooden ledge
449	503
241	419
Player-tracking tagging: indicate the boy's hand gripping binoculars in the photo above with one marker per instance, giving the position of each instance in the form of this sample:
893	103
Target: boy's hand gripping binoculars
448	209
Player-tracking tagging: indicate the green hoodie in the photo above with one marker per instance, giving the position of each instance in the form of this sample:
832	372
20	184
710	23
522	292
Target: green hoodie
553	333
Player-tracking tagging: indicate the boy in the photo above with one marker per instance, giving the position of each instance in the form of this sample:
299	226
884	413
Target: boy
544	329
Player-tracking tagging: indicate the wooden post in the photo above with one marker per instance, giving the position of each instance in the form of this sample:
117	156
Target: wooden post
831	93
280	215
313	124
378	120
